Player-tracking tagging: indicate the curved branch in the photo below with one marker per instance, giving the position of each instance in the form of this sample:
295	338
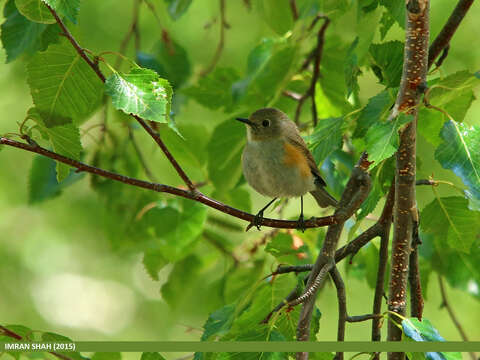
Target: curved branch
155	136
192	195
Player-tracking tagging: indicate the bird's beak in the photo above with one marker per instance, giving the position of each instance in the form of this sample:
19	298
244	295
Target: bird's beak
246	121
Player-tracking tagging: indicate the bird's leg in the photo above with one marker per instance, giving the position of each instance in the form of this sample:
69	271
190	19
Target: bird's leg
257	221
301	221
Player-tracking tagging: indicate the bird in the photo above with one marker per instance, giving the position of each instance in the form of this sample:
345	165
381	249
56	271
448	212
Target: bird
277	163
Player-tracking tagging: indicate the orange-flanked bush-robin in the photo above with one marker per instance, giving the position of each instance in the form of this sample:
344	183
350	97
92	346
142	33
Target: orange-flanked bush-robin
277	162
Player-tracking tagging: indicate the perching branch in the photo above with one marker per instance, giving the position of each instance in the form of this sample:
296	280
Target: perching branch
196	196
155	136
415	66
442	40
7	332
221	43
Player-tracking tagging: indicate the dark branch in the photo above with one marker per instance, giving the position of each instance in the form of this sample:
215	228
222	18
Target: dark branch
342	307
196	196
142	122
442	40
416	297
293	8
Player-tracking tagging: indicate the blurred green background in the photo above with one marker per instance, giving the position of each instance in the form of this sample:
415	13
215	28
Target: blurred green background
60	271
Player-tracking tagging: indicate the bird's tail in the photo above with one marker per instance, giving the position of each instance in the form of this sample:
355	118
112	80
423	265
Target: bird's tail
323	198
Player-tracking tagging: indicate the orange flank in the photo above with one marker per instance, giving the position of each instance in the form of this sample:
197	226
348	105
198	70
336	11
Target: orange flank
295	157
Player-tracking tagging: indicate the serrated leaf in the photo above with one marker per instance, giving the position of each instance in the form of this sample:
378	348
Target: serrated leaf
175	228
450	219
218	322
19	35
214	90
388	57
141	92
375	111
153	261
382	138
224	154
417	330
176	8
169	59
151	356
396	10
326	138
460	152
62	85
283	248
35	10
452	94
277	15
65	8
386	23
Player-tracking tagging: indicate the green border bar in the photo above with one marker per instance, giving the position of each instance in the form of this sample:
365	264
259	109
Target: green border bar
274	346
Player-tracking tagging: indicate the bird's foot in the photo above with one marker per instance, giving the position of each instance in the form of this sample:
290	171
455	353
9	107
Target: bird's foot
301	223
257	221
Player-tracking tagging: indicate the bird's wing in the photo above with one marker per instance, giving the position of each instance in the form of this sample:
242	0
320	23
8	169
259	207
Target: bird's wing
296	140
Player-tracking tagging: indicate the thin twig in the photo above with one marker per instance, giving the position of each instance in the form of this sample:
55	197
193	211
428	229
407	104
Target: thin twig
293	8
442	40
221	43
132	31
451	313
196	196
155	136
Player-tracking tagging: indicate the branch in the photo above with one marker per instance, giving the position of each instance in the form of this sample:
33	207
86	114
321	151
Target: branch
223	25
415	66
316	56
294	9
386	221
342	307
442	40
142	122
7	332
416	298
196	196
446	304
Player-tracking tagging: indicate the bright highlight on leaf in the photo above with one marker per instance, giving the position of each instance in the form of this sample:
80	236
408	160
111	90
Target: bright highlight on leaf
141	92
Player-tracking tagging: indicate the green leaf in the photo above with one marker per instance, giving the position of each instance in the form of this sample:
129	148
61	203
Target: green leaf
169	60
352	70
375	111
396	10
277	15
66	8
107	356
388	57
65	140
141	92
153	261
450	219
176	8
268	66
417	330
452	94
62	85
214	90
43	183
460	152
35	10
175	228
52	337
326	138
19	35
218	322
382	138
283	249
224	154
151	356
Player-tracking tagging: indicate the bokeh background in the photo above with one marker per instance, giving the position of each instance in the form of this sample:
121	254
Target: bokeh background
61	270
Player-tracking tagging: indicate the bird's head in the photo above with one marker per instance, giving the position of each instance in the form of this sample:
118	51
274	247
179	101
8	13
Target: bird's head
265	124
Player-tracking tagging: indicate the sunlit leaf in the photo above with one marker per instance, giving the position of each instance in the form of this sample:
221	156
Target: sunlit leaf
66	8
141	92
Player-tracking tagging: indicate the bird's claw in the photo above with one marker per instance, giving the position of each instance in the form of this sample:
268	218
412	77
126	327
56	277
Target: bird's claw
257	221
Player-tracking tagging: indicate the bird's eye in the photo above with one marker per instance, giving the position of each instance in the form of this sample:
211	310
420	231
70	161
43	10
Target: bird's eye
266	123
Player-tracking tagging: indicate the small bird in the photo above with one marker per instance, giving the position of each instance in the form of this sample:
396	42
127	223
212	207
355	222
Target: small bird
277	163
